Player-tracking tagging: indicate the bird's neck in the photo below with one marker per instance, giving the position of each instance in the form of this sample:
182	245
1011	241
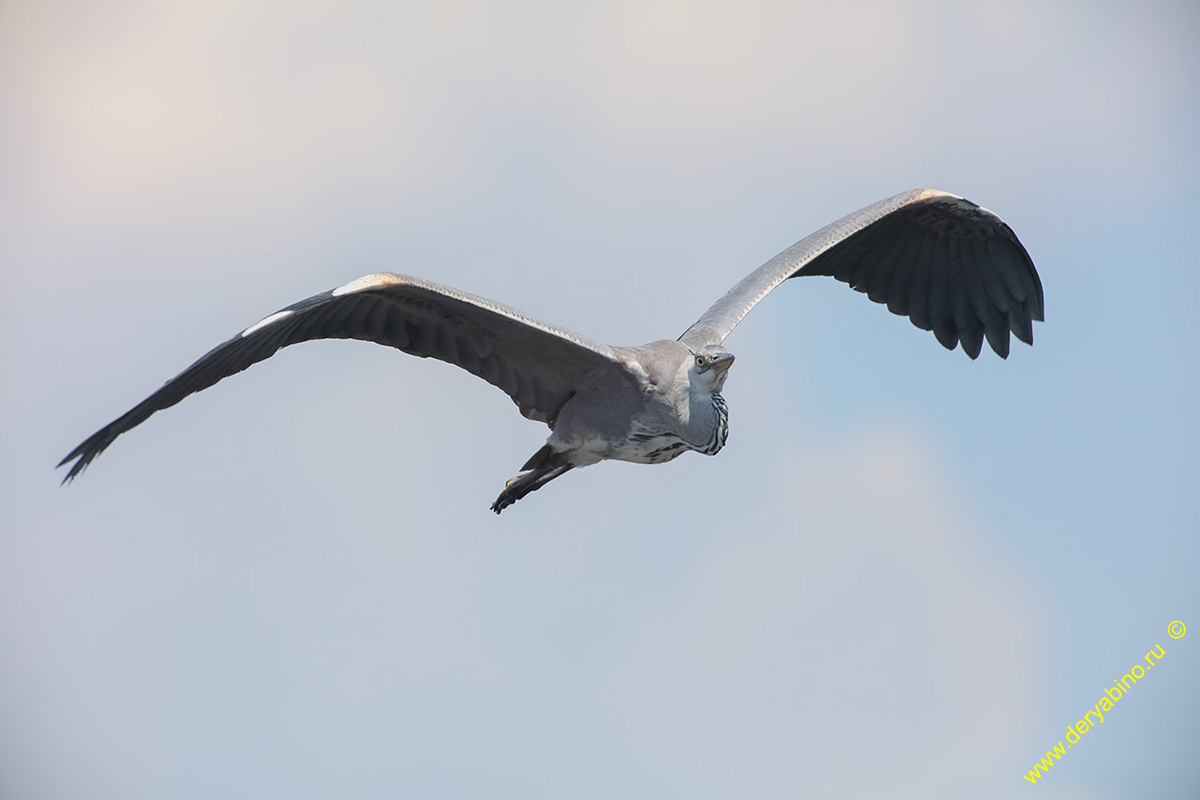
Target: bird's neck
719	432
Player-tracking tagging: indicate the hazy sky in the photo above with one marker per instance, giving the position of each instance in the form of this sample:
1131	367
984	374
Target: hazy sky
905	575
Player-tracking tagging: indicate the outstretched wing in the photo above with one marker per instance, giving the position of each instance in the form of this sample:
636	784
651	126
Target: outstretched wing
950	266
536	364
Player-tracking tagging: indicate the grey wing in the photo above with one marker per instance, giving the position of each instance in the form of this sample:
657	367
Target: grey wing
536	364
950	266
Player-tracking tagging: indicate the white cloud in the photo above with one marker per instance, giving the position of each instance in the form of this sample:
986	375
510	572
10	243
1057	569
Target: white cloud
851	637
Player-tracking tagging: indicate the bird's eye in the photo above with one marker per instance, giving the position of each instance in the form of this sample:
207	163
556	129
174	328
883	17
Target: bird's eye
699	361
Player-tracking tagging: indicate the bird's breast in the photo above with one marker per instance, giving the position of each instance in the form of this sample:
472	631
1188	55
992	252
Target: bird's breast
653	444
650	447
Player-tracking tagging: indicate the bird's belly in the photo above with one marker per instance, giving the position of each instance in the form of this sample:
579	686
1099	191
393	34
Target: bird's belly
650	448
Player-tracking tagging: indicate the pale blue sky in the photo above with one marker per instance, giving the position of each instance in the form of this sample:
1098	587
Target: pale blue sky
905	576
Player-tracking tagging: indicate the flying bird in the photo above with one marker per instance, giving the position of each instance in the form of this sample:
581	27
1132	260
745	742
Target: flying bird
949	265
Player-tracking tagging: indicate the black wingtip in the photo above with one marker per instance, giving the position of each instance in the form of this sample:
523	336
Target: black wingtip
76	469
86	452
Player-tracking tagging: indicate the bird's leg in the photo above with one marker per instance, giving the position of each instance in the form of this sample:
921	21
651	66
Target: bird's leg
545	466
527	482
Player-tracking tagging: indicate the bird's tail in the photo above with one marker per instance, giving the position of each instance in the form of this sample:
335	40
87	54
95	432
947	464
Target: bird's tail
544	466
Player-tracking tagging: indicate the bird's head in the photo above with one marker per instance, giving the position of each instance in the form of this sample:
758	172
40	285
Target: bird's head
710	366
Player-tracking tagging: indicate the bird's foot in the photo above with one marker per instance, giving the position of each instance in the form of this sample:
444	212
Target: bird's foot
505	499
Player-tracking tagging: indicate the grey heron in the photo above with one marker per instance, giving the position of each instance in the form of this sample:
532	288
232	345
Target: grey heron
949	265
